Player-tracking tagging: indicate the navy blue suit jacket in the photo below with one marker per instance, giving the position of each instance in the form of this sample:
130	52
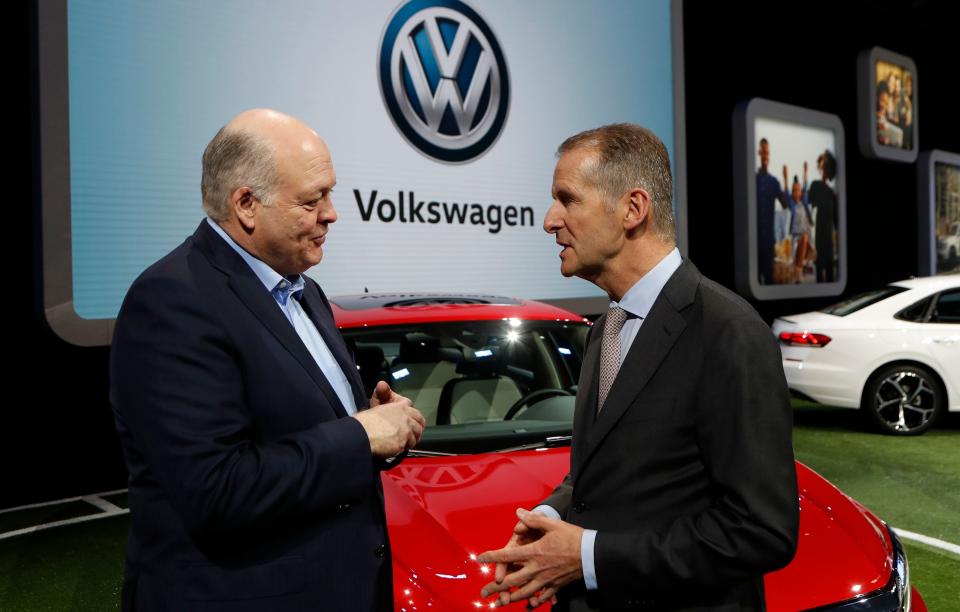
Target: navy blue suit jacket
250	488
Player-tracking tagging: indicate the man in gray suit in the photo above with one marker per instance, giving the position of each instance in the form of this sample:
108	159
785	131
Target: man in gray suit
682	489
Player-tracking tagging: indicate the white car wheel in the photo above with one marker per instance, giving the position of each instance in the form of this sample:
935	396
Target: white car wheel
903	400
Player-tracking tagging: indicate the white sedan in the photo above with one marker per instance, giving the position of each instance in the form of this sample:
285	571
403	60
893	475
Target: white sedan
893	352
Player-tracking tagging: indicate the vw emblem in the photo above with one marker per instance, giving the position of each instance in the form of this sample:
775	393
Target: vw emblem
444	79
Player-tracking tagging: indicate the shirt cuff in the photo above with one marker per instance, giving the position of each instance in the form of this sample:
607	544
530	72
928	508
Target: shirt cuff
547	511
586	548
586	558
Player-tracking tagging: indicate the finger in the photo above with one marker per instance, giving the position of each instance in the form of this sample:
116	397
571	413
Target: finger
416	415
499	572
535	520
520	528
529	589
491	588
382	391
508	554
520	577
547	594
417	430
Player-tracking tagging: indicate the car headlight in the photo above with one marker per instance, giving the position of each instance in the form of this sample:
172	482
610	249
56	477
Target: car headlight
893	597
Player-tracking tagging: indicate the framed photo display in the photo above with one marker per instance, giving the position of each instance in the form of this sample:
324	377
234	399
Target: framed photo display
939	210
790	204
888	97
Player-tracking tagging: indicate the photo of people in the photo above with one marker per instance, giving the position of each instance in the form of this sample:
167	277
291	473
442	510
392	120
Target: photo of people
796	173
947	217
895	103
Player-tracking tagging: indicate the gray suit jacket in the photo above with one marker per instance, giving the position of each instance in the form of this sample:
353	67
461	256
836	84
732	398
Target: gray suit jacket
687	473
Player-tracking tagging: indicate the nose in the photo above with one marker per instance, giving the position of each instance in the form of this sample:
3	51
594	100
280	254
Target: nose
328	214
553	220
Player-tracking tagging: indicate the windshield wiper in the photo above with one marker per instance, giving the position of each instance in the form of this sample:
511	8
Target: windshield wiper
426	453
549	442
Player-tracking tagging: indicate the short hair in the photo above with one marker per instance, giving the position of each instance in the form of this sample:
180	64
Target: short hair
763	141
629	156
233	159
829	164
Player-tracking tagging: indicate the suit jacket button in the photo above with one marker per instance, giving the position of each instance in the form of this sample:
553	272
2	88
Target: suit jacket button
380	551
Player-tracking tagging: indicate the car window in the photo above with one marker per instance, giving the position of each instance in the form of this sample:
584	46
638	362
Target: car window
916	312
947	309
861	301
503	380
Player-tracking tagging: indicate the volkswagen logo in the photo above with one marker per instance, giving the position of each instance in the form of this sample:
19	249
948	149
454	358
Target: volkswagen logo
444	79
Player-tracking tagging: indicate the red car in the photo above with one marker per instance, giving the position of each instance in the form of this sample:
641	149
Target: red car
495	378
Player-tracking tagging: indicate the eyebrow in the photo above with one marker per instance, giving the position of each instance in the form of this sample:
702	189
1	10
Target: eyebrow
562	192
315	193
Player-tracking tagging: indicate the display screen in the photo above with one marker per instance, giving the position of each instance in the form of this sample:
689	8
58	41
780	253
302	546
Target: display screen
895	105
796	208
947	216
442	118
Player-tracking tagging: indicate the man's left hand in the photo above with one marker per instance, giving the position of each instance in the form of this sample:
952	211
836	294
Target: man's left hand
545	565
383	394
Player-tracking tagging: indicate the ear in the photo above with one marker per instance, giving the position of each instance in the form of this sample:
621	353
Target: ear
638	208
244	206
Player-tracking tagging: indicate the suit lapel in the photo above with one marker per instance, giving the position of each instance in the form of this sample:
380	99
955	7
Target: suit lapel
315	307
585	410
254	295
656	336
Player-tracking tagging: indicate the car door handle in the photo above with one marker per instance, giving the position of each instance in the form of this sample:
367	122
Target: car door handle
945	339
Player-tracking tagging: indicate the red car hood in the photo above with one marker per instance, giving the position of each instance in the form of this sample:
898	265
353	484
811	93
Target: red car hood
443	511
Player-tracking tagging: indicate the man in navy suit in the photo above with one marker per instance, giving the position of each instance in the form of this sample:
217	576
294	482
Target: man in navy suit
254	457
682	489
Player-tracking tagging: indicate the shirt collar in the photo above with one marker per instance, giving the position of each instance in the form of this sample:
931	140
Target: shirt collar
267	275
639	299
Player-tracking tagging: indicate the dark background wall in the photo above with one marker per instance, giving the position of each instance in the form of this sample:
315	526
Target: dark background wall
805	54
56	429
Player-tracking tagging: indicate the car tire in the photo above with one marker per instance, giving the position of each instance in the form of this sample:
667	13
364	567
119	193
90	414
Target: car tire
903	400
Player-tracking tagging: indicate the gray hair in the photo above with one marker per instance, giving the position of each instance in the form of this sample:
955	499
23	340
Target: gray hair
236	159
629	156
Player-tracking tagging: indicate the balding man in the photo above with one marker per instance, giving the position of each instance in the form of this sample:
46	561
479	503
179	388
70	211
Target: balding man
254	458
682	490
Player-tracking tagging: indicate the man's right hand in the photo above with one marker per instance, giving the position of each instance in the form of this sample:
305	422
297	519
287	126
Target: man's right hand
392	427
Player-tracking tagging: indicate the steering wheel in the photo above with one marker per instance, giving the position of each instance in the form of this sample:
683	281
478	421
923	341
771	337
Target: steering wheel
532	398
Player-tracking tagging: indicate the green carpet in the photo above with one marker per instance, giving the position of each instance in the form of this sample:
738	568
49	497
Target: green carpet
936	574
911	482
77	567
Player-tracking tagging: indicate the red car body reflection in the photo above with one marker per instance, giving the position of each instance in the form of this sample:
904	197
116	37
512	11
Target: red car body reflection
442	511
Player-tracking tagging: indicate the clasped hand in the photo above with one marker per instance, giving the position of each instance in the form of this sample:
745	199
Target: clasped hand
392	424
542	555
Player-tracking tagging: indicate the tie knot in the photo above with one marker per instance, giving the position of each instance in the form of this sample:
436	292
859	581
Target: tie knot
616	317
286	288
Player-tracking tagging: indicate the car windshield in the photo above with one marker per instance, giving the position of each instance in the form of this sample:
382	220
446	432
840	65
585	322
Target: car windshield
861	301
481	385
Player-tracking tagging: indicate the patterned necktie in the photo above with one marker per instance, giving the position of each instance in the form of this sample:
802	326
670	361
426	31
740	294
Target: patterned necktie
287	288
610	352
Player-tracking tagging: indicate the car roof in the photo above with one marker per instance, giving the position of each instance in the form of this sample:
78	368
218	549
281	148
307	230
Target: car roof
402	308
940	281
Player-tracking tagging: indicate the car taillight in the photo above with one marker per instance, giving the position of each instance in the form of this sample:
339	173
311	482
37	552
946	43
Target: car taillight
804	339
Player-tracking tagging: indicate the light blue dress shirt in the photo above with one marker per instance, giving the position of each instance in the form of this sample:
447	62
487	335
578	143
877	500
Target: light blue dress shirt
281	288
637	301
